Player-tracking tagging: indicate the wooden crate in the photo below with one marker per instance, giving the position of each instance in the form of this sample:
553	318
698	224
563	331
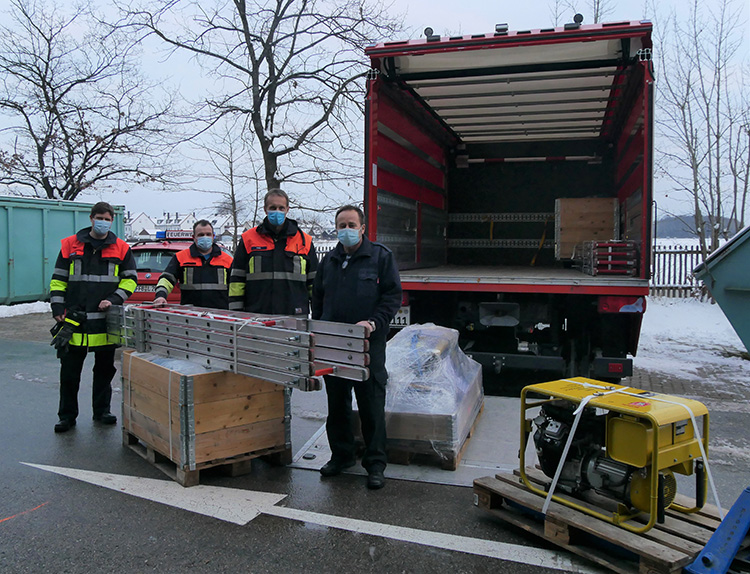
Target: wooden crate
665	549
202	420
584	219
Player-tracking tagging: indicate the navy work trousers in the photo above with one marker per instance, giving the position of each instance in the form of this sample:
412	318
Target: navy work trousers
71	365
371	404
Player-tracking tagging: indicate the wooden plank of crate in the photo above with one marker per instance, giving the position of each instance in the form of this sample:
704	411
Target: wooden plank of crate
150	404
222	385
150	375
239	411
572	208
669	558
490	500
151	434
224	443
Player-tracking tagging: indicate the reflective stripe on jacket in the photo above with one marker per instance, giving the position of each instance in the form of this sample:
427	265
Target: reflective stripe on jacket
203	282
84	276
273	273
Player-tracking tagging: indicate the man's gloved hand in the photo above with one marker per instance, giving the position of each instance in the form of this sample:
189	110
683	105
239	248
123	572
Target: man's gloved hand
63	331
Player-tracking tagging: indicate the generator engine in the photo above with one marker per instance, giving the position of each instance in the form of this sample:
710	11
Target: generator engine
587	466
627	447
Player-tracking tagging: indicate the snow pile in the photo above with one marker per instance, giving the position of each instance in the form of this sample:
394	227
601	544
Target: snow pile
24	309
688	338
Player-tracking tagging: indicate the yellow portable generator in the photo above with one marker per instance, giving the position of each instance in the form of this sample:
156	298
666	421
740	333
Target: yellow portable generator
622	443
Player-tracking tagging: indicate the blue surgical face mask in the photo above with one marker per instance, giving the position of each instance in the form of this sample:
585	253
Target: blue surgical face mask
276	217
204	242
102	226
348	237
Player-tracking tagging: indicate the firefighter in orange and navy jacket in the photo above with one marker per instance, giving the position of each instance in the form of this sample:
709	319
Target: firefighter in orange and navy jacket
94	270
274	265
202	271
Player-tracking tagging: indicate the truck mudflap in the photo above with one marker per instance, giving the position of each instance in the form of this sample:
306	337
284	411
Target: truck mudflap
611	367
499	362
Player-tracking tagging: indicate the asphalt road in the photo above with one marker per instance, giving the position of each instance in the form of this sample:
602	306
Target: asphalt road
52	523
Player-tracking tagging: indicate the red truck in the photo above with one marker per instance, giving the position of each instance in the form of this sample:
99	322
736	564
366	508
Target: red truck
511	175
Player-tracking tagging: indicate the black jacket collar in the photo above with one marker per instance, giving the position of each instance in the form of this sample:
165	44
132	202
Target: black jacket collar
215	250
84	236
364	250
288	228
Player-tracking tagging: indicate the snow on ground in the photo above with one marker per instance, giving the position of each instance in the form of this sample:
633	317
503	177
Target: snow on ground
687	338
24	309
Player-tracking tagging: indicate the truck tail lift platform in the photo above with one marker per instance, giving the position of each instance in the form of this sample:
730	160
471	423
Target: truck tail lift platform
290	351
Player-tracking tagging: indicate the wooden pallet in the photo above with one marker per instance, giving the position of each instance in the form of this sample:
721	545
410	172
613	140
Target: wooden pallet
665	549
234	466
401	451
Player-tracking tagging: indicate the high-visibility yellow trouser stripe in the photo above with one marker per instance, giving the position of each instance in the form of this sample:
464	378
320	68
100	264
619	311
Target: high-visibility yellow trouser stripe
90	340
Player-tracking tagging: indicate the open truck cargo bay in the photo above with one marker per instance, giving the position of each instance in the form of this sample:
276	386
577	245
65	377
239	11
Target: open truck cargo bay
500	168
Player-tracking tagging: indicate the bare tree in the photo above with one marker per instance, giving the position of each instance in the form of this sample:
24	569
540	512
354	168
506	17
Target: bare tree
738	153
704	118
595	10
78	114
557	9
234	171
293	69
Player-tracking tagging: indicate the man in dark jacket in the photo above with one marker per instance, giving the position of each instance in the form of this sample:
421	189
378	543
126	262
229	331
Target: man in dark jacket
202	271
274	265
94	270
358	282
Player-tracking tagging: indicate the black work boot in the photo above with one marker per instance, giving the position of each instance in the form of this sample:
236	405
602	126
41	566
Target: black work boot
334	467
64	425
375	478
106	418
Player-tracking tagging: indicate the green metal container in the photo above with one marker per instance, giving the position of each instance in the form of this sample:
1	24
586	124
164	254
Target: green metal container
726	274
30	234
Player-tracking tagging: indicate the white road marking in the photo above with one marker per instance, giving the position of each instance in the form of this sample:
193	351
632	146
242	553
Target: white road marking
490	548
242	506
228	504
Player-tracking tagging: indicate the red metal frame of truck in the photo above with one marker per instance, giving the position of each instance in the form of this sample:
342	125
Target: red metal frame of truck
470	142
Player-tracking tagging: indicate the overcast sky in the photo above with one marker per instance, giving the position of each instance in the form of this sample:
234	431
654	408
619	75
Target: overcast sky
465	16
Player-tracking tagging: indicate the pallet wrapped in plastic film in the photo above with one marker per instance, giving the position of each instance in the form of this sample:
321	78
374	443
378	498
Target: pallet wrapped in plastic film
434	396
